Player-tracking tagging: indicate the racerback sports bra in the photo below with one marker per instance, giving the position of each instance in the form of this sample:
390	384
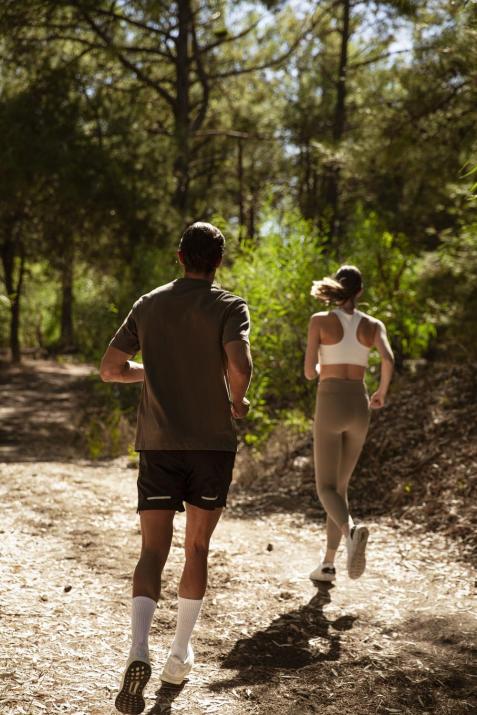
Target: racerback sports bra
349	351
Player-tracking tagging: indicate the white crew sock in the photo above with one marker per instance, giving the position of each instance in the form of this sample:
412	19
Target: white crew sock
187	614
142	613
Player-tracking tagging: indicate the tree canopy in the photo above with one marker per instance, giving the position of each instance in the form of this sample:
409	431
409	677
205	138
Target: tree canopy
311	132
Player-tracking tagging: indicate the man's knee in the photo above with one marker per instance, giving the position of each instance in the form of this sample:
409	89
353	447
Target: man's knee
196	548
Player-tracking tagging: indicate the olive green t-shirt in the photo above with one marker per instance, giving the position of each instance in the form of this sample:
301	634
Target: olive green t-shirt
180	329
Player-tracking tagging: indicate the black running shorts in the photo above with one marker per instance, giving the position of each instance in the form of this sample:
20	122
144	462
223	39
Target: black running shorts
167	478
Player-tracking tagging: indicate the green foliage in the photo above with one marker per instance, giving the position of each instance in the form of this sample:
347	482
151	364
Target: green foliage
393	277
451	283
275	277
102	300
108	421
96	154
96	311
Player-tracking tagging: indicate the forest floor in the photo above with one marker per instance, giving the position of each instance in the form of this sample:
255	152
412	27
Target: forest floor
402	639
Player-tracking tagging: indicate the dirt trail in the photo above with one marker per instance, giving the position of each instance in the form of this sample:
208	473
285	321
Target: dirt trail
399	640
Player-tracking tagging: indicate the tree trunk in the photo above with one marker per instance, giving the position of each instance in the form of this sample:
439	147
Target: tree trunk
67	333
14	293
340	109
252	212
182	108
339	122
241	206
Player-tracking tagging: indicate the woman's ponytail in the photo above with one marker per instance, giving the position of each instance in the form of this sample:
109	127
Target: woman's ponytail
346	283
328	290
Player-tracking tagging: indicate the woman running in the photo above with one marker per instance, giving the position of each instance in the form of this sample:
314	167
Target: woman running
341	340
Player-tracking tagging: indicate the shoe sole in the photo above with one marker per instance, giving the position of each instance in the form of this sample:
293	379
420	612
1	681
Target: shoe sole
322	579
129	700
357	563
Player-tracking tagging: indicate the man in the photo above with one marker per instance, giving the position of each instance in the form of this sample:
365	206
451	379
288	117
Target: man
194	340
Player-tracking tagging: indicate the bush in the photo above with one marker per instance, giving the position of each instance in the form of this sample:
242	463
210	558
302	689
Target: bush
393	278
274	274
451	285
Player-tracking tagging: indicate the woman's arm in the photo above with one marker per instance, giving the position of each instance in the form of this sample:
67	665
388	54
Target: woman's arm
311	369
381	342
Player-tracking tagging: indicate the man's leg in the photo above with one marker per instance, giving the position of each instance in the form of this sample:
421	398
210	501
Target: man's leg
200	525
156	530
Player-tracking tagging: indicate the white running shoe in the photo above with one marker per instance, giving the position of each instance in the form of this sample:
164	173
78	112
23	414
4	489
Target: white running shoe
175	670
129	700
356	545
324	572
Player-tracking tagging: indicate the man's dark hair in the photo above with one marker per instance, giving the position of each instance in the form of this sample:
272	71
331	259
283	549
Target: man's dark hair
202	246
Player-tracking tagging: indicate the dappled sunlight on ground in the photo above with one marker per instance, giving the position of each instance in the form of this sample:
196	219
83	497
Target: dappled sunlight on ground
399	640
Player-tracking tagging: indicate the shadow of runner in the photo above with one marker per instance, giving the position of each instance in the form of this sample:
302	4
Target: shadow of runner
292	641
165	696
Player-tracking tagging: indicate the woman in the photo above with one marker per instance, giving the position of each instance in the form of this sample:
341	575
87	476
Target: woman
340	339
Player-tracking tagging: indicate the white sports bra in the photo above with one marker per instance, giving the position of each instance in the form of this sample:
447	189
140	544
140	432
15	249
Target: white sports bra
349	351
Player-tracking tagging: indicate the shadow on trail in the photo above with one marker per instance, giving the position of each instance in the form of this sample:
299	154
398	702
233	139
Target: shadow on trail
292	641
39	411
165	697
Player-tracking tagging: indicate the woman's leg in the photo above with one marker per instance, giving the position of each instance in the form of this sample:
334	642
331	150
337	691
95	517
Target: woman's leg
328	449
351	447
353	442
338	444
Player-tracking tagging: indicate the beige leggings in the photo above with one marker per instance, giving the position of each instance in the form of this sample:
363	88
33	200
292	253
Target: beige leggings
340	428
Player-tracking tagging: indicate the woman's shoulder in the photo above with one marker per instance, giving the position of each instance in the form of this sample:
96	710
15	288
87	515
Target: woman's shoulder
321	315
321	320
370	327
370	318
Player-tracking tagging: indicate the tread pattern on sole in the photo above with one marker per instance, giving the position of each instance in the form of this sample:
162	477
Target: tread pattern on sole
357	563
129	700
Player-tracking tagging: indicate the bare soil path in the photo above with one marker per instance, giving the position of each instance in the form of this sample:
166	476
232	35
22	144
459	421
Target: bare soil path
399	640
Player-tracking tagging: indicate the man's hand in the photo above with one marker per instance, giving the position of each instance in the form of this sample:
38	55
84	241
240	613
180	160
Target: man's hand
239	371
240	409
377	400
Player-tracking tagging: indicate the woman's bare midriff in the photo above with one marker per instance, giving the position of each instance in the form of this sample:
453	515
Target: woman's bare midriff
342	372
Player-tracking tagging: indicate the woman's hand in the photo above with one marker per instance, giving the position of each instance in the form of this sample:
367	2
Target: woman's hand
377	400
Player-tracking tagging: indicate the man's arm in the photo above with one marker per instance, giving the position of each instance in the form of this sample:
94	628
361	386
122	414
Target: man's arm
381	342
239	372
312	345
116	366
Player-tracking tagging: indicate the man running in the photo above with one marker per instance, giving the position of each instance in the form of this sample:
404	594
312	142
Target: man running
194	341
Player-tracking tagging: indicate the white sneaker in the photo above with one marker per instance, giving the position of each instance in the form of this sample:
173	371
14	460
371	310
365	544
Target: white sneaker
129	700
324	572
175	670
356	545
